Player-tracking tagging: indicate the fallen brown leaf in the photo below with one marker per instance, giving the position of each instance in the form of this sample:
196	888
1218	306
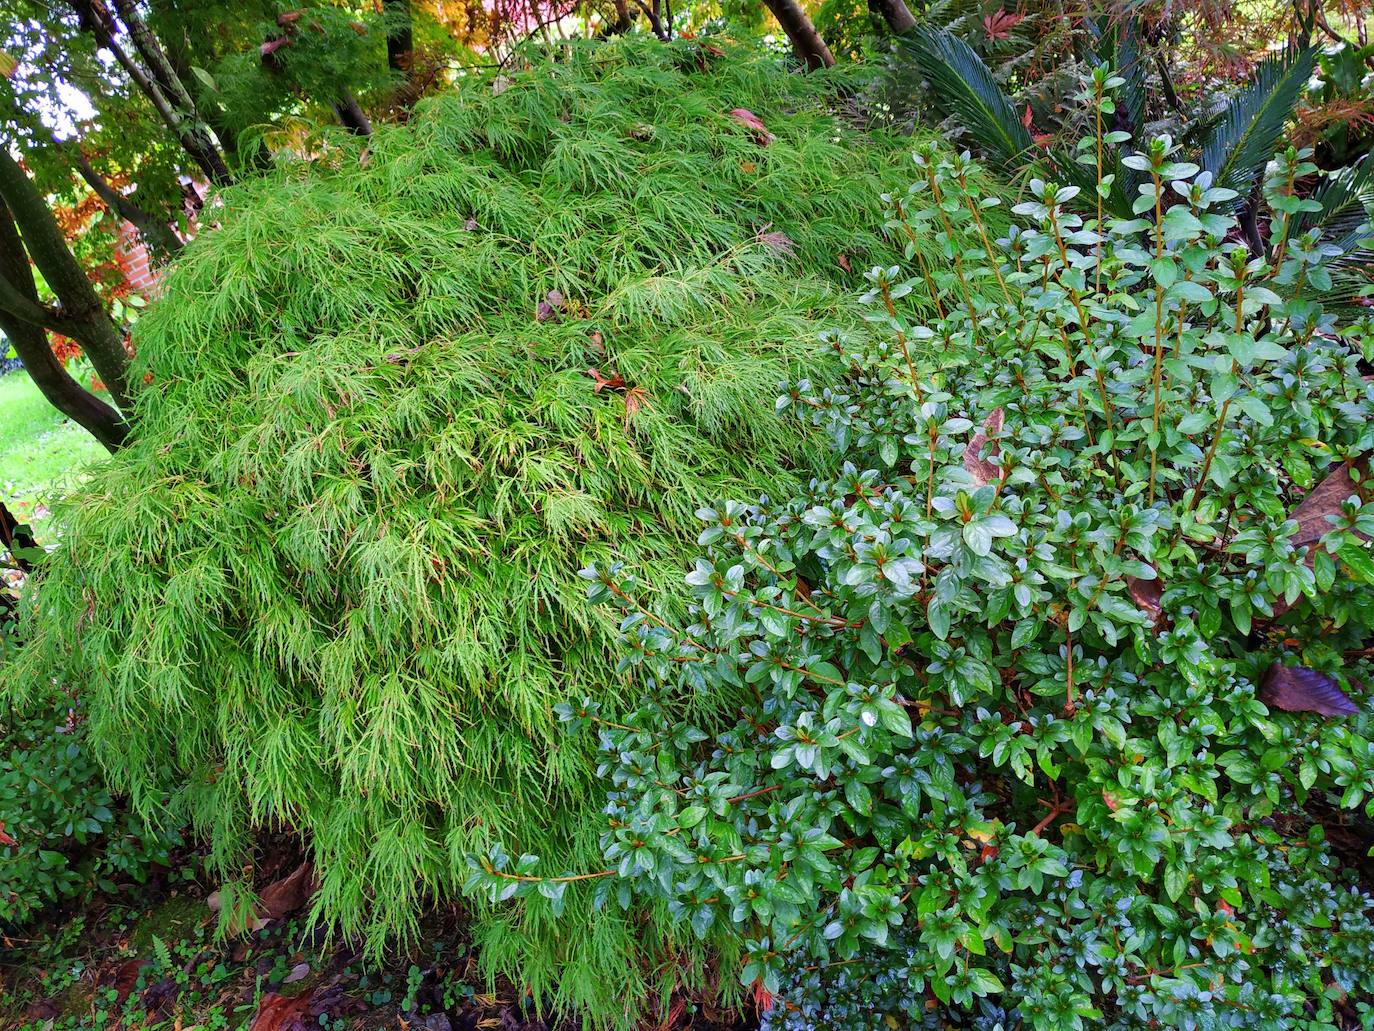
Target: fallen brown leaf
983	471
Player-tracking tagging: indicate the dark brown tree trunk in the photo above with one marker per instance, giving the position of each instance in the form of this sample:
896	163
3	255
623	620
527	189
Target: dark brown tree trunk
652	11
895	13
177	111
806	41
30	342
156	234
400	42
623	19
69	397
80	313
14	538
351	115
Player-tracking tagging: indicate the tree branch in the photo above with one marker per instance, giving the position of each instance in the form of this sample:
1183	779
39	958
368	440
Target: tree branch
806	41
30	341
351	115
655	22
83	314
147	44
156	234
201	150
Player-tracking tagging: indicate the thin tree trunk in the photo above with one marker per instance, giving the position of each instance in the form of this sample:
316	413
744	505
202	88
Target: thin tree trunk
895	13
81	314
65	394
623	19
400	41
15	537
351	115
806	41
30	342
192	137
156	234
147	44
655	19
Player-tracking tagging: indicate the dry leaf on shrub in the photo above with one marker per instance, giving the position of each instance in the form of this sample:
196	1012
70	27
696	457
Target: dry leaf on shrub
1299	689
983	471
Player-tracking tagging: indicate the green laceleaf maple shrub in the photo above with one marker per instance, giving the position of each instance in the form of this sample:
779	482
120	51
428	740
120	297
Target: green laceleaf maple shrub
1053	704
395	399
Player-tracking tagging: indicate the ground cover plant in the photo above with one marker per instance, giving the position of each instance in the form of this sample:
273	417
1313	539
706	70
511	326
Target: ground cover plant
61	834
1052	702
390	406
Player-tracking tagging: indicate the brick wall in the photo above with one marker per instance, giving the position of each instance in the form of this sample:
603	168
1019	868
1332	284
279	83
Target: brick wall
133	259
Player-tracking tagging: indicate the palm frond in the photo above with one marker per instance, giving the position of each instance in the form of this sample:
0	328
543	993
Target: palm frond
962	86
1243	140
1347	200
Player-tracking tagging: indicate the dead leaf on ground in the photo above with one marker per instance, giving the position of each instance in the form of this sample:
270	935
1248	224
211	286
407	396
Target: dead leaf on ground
123	978
283	1013
278	899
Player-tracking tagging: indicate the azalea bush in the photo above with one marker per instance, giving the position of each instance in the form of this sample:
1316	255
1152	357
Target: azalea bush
62	834
1051	702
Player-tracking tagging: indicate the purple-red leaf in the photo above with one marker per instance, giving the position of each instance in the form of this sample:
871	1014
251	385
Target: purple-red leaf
1300	689
983	471
273	45
777	242
752	121
1147	594
550	307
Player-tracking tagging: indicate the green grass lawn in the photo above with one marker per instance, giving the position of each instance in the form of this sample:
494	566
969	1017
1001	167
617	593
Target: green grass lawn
41	452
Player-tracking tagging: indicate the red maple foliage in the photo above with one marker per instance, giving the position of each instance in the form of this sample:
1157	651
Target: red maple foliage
1000	24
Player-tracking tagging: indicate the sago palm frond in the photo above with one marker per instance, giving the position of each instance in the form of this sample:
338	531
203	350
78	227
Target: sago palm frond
1347	200
1243	140
963	87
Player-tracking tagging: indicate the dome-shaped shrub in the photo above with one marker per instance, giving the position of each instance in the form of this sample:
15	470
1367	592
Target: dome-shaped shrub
397	398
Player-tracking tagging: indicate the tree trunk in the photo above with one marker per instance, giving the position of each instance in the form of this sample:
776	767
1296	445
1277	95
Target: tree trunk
14	537
400	42
623	19
65	394
652	12
156	234
351	115
806	41
81	314
895	13
96	19
30	342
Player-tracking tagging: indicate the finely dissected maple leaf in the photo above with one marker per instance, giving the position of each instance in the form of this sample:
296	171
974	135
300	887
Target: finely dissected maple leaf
635	399
612	382
1000	24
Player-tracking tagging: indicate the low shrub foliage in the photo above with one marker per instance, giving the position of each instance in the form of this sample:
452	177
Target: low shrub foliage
1051	704
62	835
